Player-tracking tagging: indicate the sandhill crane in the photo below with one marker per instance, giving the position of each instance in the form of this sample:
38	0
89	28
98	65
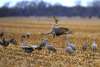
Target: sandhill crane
94	46
42	44
84	46
70	44
70	47
69	50
51	48
58	31
45	44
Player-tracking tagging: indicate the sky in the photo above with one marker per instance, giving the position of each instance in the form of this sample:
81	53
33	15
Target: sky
69	3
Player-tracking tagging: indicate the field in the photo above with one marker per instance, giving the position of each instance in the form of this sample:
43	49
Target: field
82	28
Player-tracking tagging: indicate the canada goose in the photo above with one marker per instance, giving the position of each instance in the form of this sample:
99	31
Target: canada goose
4	42
27	49
25	46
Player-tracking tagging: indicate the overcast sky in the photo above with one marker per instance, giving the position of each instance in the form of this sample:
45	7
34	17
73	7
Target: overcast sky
63	2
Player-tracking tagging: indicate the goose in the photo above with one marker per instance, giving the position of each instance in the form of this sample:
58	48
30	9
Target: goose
25	46
4	42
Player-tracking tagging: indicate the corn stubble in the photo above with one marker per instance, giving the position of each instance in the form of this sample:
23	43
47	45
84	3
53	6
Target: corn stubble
14	56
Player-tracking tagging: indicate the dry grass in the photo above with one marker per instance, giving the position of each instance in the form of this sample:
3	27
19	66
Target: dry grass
83	29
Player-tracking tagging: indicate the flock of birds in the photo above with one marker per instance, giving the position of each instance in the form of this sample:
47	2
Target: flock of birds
70	46
56	31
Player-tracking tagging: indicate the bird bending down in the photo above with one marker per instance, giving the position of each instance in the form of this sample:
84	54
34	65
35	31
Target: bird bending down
26	48
71	45
42	44
4	42
45	44
70	48
51	48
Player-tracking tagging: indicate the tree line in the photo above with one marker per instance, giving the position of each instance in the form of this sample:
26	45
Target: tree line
26	8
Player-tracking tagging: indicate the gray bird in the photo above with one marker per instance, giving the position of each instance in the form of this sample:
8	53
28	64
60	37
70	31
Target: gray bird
46	44
94	46
42	44
71	45
58	31
70	48
51	48
84	46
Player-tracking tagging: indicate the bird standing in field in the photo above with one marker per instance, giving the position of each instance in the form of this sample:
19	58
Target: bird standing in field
94	46
70	48
49	47
85	46
42	44
56	30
